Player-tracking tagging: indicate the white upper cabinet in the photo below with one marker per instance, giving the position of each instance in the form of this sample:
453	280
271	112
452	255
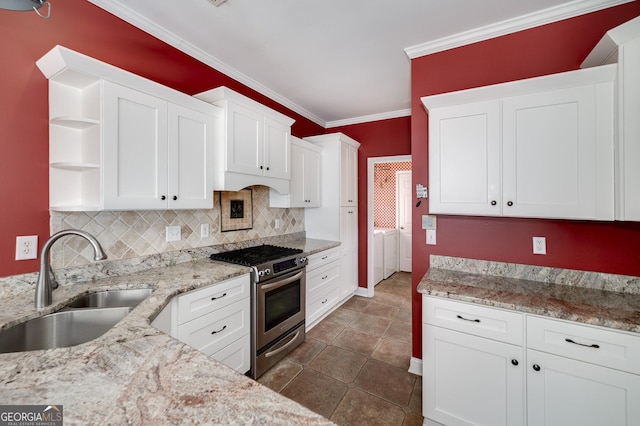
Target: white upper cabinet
541	147
621	45
113	147
348	175
305	177
254	144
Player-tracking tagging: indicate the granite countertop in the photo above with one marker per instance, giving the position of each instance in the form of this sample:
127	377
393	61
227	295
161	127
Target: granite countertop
136	374
606	308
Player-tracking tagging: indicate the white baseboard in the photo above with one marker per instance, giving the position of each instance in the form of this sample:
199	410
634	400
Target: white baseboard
415	366
363	291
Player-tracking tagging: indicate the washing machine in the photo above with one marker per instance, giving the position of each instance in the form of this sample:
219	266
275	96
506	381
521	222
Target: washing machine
378	256
389	251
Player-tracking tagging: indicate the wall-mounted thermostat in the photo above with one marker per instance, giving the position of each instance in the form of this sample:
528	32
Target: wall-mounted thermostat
428	222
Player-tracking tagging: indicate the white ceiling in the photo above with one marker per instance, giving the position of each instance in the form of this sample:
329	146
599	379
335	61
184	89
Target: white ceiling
334	61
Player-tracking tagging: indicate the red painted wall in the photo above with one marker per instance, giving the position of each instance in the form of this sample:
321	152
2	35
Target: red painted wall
377	139
612	247
81	26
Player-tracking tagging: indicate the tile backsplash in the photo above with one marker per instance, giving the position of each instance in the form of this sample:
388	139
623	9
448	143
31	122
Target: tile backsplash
130	234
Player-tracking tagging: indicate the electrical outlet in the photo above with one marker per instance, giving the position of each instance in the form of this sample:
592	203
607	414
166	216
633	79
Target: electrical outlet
27	247
277	224
174	233
539	245
204	230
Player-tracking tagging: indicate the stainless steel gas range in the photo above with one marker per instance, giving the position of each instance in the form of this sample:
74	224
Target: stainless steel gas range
277	301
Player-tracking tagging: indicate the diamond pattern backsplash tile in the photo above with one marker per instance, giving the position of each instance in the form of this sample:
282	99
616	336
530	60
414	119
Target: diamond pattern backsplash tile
130	234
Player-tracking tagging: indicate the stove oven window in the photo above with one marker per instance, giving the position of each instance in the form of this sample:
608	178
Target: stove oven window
281	304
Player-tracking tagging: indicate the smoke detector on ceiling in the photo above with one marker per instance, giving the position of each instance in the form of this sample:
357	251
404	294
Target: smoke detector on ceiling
217	2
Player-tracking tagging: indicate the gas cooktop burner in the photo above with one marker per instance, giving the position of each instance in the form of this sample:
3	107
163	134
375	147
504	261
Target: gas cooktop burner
253	256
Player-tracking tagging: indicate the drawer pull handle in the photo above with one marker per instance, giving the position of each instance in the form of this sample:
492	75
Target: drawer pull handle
536	367
219	297
325	301
594	346
324	257
218	331
466	319
325	277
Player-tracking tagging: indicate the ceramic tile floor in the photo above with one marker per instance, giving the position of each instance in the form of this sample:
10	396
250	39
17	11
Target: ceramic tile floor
352	367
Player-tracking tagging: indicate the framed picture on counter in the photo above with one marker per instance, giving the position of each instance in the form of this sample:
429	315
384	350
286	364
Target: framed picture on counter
236	210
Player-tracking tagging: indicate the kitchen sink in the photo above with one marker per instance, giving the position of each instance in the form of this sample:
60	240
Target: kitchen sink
60	329
112	298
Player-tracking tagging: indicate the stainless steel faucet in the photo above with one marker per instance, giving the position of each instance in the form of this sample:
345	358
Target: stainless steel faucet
45	284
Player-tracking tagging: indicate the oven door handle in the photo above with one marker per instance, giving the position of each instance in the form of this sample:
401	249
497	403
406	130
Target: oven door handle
267	287
282	348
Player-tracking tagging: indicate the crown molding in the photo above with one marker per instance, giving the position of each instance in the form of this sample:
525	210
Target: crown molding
524	22
121	11
368	118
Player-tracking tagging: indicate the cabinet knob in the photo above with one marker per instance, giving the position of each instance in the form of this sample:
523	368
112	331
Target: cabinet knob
175	197
261	167
514	361
536	367
163	197
494	202
510	203
267	168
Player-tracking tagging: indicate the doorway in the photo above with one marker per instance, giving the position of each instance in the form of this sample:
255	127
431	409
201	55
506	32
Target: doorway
381	176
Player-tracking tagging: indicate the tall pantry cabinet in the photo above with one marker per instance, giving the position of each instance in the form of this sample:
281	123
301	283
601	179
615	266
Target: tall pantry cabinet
337	218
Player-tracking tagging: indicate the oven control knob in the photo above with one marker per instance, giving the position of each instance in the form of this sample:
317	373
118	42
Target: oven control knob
303	260
260	273
267	271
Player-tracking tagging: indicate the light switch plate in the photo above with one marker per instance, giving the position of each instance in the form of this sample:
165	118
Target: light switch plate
173	233
431	237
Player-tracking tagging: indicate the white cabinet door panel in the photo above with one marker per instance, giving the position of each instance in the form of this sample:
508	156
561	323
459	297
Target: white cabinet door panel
312	180
549	154
472	381
244	128
190	158
276	149
566	392
135	149
464	175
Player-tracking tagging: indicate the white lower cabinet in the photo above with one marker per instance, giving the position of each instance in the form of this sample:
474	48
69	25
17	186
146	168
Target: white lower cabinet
562	391
216	320
473	363
488	366
581	375
323	282
472	380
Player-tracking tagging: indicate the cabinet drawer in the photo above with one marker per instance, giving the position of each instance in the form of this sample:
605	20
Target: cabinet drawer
492	323
318	259
210	333
325	300
200	302
236	355
609	348
320	277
